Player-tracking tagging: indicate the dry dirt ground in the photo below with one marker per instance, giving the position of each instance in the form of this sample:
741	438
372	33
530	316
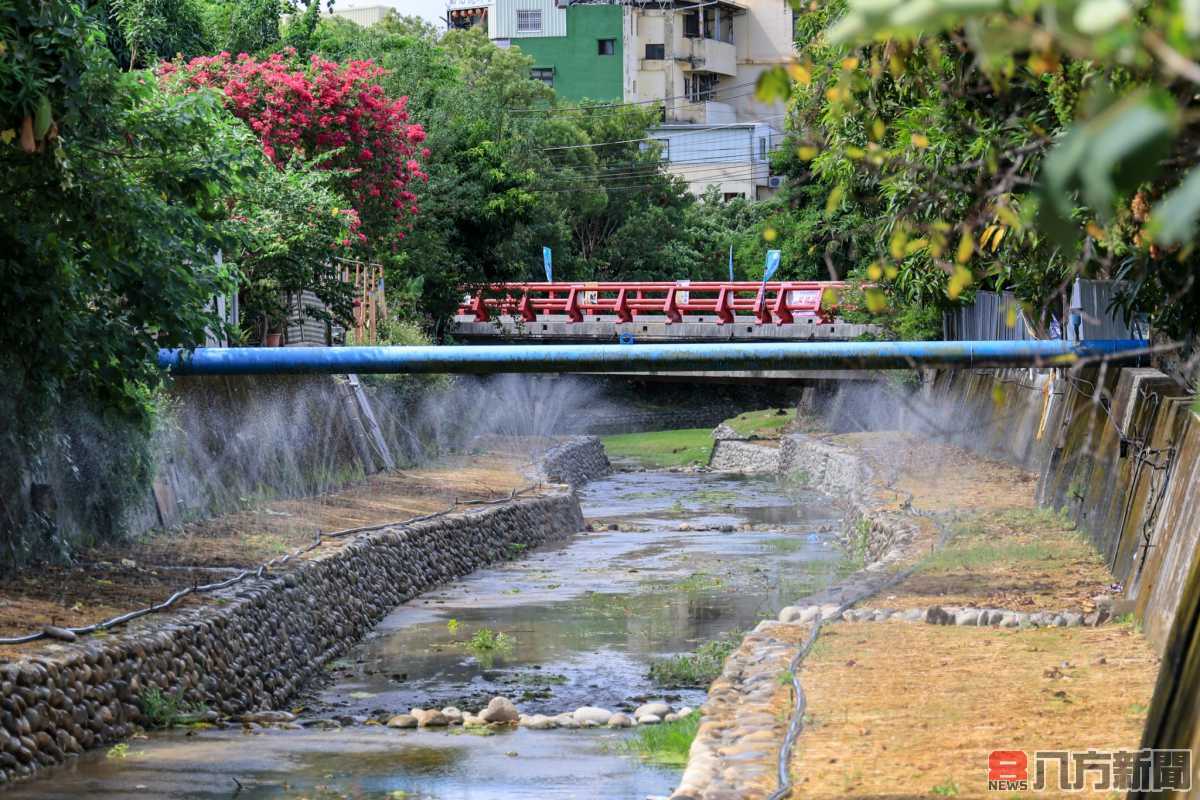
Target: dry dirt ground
913	710
899	710
135	574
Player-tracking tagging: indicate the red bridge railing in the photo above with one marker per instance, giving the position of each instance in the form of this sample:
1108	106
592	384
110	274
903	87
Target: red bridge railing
779	302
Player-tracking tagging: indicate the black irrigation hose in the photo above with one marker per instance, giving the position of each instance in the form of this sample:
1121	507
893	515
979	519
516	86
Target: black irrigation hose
257	572
796	723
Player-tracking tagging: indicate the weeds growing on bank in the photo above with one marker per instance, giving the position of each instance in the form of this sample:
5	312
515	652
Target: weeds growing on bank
666	744
164	710
694	670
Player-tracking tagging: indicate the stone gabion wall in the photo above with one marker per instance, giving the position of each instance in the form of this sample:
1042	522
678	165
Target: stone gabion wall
575	461
252	646
746	457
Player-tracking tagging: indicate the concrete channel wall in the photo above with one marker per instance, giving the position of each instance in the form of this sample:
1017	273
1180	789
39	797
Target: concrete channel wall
254	645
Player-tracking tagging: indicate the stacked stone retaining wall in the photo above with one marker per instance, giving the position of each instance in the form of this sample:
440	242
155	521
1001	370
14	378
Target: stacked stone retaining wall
252	646
575	461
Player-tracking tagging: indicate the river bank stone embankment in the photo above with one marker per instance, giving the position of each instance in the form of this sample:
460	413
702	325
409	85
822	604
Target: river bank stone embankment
254	645
1005	567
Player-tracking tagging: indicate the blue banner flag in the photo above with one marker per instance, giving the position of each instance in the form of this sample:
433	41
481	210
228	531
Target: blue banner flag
772	265
546	259
731	263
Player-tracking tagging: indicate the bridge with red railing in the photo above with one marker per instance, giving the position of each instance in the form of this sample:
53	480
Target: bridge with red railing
656	311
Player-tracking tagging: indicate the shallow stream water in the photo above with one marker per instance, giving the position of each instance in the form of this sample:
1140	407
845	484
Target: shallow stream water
677	559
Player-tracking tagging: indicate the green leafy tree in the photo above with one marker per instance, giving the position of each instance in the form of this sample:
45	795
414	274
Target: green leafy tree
290	223
114	211
1001	145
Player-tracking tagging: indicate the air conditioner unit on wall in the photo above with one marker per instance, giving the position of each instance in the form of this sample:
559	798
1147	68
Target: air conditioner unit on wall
774	182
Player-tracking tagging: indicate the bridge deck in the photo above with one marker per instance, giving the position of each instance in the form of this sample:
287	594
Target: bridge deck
654	329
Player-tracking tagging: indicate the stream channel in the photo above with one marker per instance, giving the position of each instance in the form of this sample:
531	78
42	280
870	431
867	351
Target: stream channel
676	559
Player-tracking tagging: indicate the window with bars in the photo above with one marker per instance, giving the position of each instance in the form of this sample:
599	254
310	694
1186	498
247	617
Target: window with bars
543	74
529	21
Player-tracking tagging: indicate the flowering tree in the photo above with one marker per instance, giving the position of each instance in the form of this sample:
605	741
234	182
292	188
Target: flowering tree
335	114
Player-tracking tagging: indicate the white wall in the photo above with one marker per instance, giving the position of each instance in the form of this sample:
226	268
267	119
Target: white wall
554	19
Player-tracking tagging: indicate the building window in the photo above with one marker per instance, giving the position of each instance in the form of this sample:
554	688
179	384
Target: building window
656	52
543	74
529	21
729	196
701	86
606	47
762	148
691	24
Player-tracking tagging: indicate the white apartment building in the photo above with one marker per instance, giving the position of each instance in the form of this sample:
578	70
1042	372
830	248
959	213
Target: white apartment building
699	59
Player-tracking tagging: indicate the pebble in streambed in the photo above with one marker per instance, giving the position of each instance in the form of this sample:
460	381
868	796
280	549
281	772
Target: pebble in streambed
502	712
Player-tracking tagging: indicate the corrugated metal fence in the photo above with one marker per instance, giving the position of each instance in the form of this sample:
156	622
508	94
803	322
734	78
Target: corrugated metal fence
997	316
988	319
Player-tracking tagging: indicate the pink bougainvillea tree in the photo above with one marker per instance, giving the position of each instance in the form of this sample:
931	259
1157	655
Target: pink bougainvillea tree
322	108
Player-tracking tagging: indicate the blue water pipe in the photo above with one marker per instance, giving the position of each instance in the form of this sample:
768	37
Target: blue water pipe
720	357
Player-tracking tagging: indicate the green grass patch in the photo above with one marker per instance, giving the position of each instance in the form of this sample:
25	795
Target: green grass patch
661	448
784	544
697	582
977	556
766	424
666	744
714	496
693	670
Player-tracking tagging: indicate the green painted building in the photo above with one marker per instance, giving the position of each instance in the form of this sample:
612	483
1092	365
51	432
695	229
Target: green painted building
586	64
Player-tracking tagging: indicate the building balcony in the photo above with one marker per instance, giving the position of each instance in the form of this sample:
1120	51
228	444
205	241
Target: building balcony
709	55
703	113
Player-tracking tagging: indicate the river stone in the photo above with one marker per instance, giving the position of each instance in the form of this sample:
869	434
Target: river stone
620	721
913	615
657	707
591	715
649	719
882	614
566	720
472	721
936	615
430	718
791	614
967	616
538	722
453	714
1073	619
684	711
500	709
402	721
829	613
